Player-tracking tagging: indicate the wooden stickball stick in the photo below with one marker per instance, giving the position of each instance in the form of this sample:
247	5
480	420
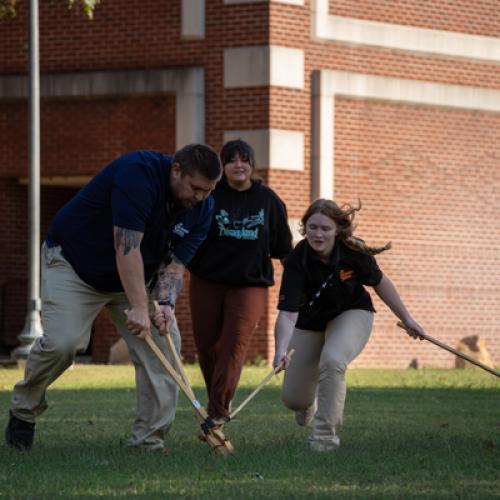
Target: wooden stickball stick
266	379
213	435
175	355
450	349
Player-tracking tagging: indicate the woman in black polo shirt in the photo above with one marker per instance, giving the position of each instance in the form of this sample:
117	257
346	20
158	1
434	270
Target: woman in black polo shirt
326	315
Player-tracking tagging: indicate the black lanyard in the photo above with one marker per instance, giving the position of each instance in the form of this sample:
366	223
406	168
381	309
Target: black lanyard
334	261
325	283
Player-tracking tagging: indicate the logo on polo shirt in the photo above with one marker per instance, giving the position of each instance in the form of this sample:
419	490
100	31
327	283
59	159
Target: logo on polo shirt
180	230
345	274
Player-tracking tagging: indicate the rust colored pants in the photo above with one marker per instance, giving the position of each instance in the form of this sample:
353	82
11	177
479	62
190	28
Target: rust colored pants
224	319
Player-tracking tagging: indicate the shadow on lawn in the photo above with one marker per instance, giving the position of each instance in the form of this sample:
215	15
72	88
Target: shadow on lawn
88	405
371	413
396	442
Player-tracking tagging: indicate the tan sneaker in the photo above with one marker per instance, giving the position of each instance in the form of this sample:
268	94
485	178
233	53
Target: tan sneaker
304	417
151	447
323	444
152	443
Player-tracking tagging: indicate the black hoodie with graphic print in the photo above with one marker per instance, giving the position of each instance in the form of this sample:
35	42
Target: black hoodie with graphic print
248	229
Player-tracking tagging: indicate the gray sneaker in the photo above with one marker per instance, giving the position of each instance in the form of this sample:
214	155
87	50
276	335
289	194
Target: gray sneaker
323	444
304	417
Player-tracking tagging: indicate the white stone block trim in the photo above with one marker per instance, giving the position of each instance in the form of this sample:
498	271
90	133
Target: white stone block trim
263	66
294	224
192	19
274	148
329	84
187	84
394	36
290	2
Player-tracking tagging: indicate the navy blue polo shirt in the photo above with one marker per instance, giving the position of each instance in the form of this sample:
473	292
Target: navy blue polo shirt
132	192
321	291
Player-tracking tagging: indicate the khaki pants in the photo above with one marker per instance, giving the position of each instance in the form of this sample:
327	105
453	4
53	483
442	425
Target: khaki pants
318	367
69	306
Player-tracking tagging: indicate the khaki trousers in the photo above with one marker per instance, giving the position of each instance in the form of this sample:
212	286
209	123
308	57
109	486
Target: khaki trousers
318	367
69	306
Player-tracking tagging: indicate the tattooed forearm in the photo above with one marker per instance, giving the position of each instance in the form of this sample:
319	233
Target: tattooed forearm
170	280
127	239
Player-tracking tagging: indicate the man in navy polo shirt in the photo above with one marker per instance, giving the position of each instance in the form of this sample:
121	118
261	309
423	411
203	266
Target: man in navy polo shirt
121	242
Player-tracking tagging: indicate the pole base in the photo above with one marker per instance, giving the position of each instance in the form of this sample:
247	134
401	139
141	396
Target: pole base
31	331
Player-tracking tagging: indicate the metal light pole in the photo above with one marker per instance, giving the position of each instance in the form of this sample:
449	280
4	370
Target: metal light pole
33	326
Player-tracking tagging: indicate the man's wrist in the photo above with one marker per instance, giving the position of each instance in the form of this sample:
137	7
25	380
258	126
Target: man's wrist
142	307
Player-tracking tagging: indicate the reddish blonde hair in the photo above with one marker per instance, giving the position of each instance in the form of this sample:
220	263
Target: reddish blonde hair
343	217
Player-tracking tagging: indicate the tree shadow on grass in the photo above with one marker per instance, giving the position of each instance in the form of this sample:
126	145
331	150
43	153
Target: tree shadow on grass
396	443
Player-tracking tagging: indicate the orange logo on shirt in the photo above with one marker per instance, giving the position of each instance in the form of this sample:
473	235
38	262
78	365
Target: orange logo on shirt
345	275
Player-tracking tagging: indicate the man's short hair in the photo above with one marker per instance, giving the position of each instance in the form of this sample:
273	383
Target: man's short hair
199	158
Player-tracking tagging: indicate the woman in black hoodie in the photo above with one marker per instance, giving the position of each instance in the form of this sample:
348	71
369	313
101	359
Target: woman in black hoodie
231	272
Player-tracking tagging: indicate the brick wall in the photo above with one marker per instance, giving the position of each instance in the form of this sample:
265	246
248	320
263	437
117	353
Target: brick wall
475	18
419	171
79	137
13	252
13	208
429	180
428	177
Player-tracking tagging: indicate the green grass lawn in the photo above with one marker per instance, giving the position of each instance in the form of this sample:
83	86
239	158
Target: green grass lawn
407	434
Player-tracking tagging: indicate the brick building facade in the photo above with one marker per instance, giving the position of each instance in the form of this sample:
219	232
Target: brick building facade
394	103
